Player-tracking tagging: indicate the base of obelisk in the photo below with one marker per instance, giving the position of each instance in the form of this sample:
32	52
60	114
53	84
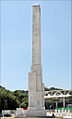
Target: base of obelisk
35	111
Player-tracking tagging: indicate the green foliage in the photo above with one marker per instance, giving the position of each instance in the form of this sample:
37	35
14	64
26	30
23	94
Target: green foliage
23	104
12	100
7	100
22	97
55	99
69	99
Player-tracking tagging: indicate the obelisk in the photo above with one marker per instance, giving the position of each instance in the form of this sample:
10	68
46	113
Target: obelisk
36	87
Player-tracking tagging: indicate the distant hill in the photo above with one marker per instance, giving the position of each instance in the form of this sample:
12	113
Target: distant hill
52	88
23	91
3	89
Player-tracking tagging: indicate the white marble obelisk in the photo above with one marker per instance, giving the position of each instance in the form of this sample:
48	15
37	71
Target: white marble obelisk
36	87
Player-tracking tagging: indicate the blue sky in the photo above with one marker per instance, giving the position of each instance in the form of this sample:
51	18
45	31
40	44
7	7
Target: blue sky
16	43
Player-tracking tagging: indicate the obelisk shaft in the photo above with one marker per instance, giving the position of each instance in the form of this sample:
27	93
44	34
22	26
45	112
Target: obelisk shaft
36	36
36	86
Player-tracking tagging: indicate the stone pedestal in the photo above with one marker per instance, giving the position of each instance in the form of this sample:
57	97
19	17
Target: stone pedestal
35	113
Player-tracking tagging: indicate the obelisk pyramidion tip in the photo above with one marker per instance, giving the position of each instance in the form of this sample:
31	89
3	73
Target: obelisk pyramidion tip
36	5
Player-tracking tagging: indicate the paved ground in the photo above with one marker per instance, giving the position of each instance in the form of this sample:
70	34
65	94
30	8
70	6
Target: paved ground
33	118
28	118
